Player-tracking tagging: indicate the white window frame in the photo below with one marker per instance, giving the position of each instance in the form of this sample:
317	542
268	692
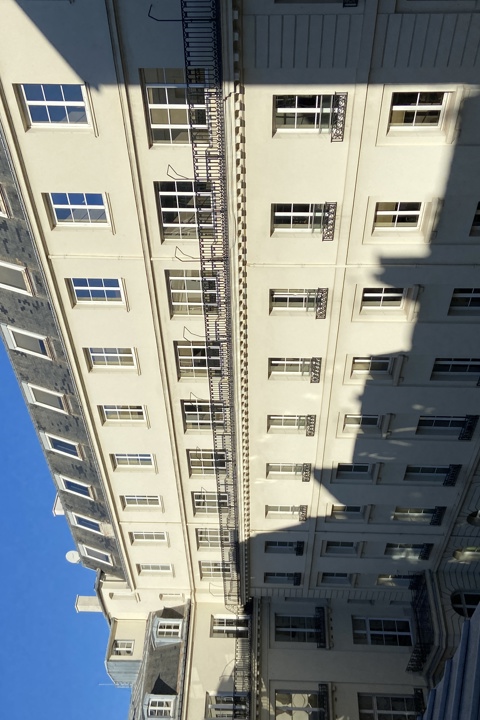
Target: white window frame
192	360
348	512
140	537
29	389
323	106
208	503
402	551
141	501
122	648
5	211
214	569
284	469
23	274
48	437
111	358
385	299
279	511
161	706
87	551
63	481
286	423
9	334
181	210
168	628
395	581
399	211
335	579
166	83
355	471
299	705
205	462
293	300
97	285
280	547
210	537
413	514
113	414
440	425
417	108
341	548
408	712
83	210
155	569
186	293
76	519
472	298
426	472
229	626
372	365
460	604
362	424
278	578
305	218
199	415
448	367
370	633
289	367
297	628
133	461
55	103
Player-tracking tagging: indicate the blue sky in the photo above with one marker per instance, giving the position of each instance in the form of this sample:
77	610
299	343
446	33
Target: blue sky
51	657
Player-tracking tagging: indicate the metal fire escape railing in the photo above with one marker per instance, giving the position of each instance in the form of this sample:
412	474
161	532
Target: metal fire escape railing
203	54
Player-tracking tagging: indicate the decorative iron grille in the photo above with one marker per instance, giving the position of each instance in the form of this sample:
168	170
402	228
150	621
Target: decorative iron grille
339	112
315	369
466	433
306	472
452	475
310	425
437	516
321	299
328	230
423	624
320	623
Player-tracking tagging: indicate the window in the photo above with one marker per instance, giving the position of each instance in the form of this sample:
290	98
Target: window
381	631
201	415
205	462
293	299
446	367
123	647
15	277
401	551
271	578
111	357
167	105
475	229
383	298
285	469
284	510
397	215
284	547
55	104
406	514
78	208
27	342
94	554
304	112
4	206
214	569
396	581
87	523
348	512
155	568
329	578
184	207
209	503
387	707
62	446
227	705
131	460
168	628
122	413
295	367
76	487
417	109
372	365
161	707
229	626
464	602
426	472
145	536
465	300
188	291
211	537
295	628
286	422
468	554
96	290
337	547
299	217
354	471
361	423
141	501
46	398
440	425
302	704
194	359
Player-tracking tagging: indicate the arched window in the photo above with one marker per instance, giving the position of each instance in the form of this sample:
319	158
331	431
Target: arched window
465	602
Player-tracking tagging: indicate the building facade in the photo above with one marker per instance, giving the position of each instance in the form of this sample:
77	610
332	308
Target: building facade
238	287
